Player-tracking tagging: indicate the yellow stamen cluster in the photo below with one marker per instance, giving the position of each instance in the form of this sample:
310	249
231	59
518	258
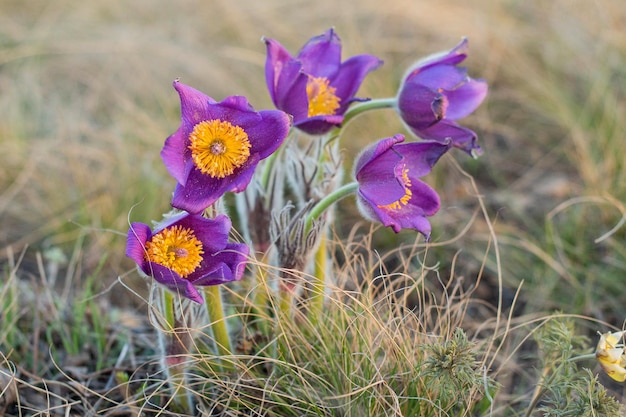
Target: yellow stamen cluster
404	200
176	248
322	98
611	355
218	147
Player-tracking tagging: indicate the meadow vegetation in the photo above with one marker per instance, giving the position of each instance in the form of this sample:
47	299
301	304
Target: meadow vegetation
498	315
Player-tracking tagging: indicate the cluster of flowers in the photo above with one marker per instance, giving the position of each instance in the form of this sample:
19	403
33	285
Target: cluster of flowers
218	146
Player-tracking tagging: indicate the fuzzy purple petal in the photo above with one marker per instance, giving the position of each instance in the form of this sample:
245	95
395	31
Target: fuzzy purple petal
321	55
447	130
194	105
238	255
219	274
175	153
223	266
268	133
374	151
173	282
455	56
197	107
420	157
201	190
291	96
213	233
319	125
424	202
442	77
415	105
286	80
170	220
138	235
379	180
383	191
275	66
350	76
465	99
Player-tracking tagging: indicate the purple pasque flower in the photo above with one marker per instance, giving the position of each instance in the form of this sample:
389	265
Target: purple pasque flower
389	188
187	250
435	93
218	146
315	87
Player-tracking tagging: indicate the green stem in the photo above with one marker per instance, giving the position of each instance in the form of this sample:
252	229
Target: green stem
316	306
168	309
171	344
327	201
378	103
583	357
285	299
261	300
215	310
356	109
182	395
283	315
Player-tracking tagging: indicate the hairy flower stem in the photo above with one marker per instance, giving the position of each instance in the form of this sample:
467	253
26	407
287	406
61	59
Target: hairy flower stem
285	299
357	109
261	300
583	357
168	309
215	307
215	310
328	201
316	302
172	342
374	104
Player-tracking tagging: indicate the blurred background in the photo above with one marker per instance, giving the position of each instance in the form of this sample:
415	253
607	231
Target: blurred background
86	102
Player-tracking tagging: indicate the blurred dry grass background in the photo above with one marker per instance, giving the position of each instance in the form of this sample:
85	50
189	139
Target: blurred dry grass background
86	102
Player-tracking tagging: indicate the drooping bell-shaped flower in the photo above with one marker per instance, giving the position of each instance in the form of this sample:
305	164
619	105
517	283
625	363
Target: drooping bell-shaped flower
187	250
218	146
435	93
315	87
390	190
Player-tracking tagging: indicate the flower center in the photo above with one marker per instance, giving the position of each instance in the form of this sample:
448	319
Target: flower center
322	98
176	248
218	148
404	200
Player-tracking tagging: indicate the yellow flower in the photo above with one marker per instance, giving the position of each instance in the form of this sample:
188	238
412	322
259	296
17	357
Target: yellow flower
611	355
